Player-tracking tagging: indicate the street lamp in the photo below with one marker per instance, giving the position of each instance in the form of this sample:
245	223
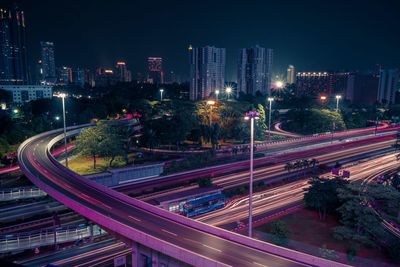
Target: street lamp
270	99
216	94
251	115
338	97
228	91
63	96
279	84
161	92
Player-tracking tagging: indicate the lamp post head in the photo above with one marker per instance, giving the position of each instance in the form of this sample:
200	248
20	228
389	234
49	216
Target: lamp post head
279	84
62	95
161	90
338	96
228	90
57	118
270	99
252	115
217	92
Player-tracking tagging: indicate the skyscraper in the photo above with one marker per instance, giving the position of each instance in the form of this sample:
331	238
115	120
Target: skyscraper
388	82
122	73
48	62
13	52
207	71
269	65
65	75
290	75
155	70
78	77
252	71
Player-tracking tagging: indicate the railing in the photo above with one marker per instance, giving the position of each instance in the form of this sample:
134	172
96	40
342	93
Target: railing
31	240
8	194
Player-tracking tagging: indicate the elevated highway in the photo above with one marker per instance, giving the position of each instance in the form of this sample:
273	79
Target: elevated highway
192	242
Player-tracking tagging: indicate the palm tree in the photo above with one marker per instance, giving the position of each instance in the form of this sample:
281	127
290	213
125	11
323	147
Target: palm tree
288	166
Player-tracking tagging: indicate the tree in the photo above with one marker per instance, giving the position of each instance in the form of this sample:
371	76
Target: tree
215	134
280	232
260	125
100	140
288	166
359	222
322	195
88	142
204	182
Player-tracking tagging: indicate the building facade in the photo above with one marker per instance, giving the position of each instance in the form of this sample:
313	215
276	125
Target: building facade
362	88
155	70
122	73
26	93
65	75
13	51
317	83
252	71
388	85
48	63
290	75
207	71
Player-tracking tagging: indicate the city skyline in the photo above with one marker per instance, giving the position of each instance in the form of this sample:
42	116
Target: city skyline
301	35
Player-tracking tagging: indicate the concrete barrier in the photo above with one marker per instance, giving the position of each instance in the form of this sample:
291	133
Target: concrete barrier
118	176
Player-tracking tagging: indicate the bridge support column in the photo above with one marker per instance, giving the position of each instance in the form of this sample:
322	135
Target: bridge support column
154	259
135	254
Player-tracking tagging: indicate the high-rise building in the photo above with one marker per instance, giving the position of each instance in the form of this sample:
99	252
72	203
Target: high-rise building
327	83
65	75
13	52
269	65
78	77
39	72
48	62
388	82
155	70
252	71
89	78
362	88
207	71
122	73
105	77
290	75
26	93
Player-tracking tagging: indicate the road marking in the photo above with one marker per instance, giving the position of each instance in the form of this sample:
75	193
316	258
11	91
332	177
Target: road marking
212	248
133	218
169	232
259	264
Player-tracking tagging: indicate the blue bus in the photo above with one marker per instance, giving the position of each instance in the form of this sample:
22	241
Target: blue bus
203	204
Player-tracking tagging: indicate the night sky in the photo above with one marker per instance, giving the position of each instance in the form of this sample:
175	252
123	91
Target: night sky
312	35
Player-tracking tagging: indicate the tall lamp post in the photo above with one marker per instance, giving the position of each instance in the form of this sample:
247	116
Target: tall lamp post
251	115
338	97
216	94
161	92
63	96
270	99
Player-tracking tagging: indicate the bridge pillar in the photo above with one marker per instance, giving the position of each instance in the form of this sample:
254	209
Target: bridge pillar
154	259
135	254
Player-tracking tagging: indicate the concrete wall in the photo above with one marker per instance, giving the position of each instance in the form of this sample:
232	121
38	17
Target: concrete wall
117	176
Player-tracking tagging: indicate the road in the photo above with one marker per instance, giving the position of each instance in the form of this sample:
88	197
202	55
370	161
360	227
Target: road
289	195
97	202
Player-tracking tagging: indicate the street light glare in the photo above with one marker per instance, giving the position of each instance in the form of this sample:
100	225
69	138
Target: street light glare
62	95
228	89
338	96
323	97
270	99
279	84
161	90
210	102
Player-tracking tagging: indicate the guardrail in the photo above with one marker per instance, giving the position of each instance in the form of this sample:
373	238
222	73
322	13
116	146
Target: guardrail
8	194
31	240
231	236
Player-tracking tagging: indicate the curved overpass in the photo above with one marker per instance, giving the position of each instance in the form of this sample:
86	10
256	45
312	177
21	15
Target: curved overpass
189	241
